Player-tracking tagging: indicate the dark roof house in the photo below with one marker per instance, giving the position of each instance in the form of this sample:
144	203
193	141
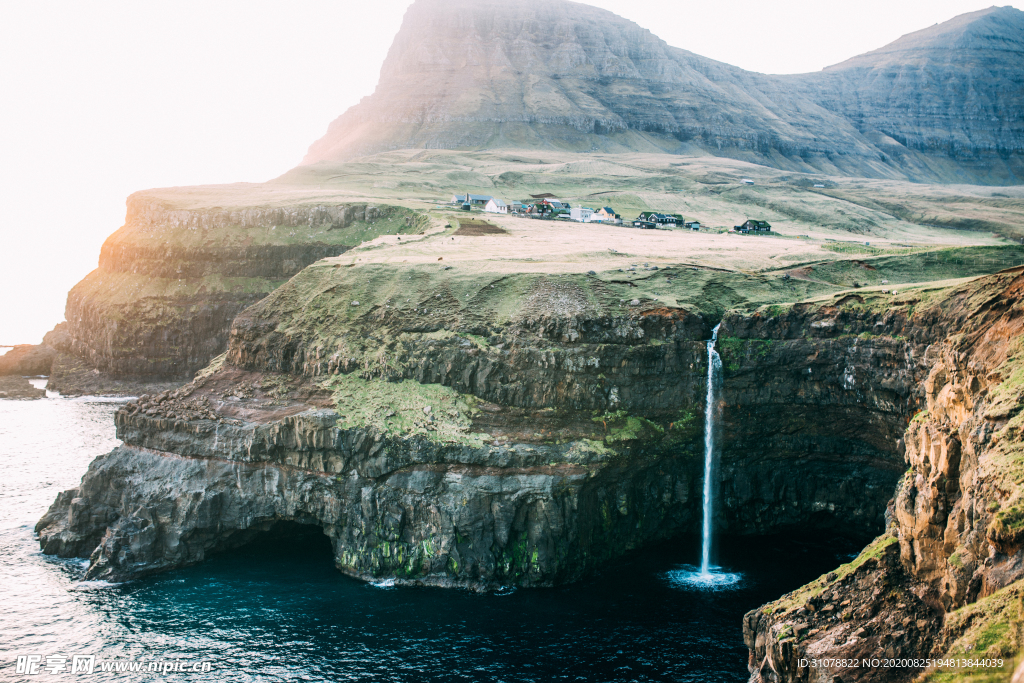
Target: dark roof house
753	226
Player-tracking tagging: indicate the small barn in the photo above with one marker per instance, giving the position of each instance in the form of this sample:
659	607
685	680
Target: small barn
692	225
646	225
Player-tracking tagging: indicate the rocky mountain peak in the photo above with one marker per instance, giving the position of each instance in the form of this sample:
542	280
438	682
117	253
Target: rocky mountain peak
564	75
963	37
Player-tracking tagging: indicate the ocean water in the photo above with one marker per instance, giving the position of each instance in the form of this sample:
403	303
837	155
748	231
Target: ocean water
273	612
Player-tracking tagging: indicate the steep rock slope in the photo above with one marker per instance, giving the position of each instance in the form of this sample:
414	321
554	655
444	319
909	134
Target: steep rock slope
528	74
535	74
169	282
951	91
945	580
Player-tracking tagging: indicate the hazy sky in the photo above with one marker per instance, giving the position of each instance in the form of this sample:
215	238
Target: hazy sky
100	99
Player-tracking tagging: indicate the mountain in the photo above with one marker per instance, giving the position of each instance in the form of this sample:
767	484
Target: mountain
951	92
468	74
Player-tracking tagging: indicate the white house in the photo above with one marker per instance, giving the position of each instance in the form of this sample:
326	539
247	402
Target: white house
580	213
747	181
495	205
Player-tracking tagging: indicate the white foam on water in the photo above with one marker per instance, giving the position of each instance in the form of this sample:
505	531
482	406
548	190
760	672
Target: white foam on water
695	578
92	585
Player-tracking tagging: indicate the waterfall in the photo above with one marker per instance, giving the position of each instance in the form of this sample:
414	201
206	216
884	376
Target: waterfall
708	577
710	422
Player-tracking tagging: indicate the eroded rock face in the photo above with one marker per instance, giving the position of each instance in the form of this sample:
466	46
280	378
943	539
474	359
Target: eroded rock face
954	532
476	518
27	359
15	386
169	283
433	446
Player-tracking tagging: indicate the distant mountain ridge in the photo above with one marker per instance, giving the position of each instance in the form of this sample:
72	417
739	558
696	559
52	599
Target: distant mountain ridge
942	104
953	92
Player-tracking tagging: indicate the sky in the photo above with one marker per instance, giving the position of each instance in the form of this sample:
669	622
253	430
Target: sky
101	99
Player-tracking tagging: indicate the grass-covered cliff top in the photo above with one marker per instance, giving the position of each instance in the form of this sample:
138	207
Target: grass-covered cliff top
708	189
152	224
543	268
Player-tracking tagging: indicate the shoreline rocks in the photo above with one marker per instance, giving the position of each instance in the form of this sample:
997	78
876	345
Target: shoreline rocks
13	386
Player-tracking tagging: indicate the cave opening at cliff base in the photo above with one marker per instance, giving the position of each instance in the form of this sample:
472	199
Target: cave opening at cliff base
278	539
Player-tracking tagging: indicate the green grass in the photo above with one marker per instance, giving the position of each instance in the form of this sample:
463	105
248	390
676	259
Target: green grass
394	220
735	351
801	595
991	628
398	408
622	427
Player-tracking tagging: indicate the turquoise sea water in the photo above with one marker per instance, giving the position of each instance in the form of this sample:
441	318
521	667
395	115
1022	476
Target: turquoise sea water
283	613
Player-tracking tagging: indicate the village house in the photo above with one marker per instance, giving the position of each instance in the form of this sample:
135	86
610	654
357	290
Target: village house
753	226
605	213
496	205
660	218
549	207
692	225
581	214
471	199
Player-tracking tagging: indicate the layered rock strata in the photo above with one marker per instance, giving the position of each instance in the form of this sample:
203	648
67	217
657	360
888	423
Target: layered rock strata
946	578
513	430
169	283
939	104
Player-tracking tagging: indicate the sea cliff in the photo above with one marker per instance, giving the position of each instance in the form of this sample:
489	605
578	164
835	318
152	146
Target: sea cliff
433	448
944	579
170	281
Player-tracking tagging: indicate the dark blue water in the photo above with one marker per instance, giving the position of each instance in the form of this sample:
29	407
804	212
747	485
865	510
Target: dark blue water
283	613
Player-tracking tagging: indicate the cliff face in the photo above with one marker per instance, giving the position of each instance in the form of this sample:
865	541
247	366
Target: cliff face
27	359
945	579
527	74
430	483
522	429
517	429
169	283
